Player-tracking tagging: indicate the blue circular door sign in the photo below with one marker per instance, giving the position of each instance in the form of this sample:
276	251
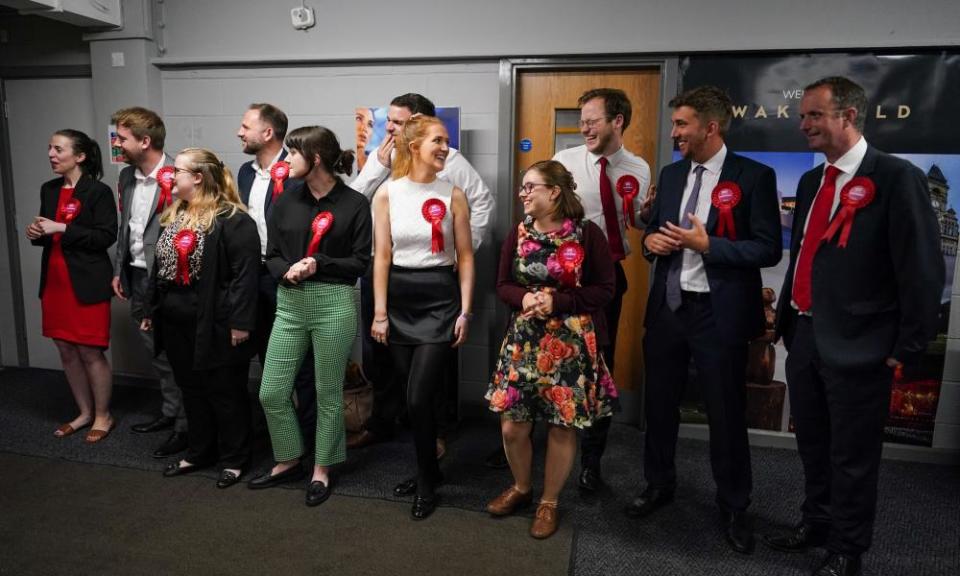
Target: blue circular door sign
526	145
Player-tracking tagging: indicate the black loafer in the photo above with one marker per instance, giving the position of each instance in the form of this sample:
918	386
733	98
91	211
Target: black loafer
424	507
738	532
317	493
175	443
267	480
803	537
227	479
590	480
649	501
161	423
405	488
175	469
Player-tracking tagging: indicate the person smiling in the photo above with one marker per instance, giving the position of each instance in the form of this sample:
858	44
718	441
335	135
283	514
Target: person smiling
76	226
556	274
318	246
202	306
423	276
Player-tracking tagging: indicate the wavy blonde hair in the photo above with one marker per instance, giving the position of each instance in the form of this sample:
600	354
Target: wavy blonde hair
215	195
413	132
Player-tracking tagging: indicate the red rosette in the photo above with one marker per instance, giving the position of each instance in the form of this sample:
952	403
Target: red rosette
725	198
322	223
279	173
69	211
858	192
185	242
165	177
434	211
570	256
628	187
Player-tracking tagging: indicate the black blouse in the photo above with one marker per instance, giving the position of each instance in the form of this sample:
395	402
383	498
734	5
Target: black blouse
344	252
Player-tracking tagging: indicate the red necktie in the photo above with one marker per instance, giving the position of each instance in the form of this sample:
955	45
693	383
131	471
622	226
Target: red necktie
610	213
817	224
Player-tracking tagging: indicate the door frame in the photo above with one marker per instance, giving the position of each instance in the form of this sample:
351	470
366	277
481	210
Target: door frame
669	66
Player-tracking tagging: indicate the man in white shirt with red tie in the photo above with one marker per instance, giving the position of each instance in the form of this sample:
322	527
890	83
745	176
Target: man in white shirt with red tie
608	177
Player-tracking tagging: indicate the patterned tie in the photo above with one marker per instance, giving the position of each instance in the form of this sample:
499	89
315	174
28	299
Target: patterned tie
676	263
610	213
816	225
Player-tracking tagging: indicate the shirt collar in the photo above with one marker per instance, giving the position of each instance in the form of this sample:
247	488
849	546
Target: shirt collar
849	162
153	173
335	193
612	159
266	171
715	164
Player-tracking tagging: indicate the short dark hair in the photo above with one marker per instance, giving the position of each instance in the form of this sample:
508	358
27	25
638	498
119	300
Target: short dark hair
846	94
142	122
312	141
615	103
415	103
272	116
709	102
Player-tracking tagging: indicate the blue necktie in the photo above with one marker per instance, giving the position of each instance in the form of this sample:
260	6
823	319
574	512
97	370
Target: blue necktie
676	264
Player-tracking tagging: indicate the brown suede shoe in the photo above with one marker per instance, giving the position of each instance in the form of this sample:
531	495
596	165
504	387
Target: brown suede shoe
510	501
545	524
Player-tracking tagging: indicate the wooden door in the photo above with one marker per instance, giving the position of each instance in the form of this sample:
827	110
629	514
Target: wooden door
540	95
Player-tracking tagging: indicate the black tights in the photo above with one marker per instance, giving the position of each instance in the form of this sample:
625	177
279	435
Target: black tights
421	367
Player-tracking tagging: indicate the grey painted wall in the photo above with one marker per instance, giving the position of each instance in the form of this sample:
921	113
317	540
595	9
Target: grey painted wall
363	29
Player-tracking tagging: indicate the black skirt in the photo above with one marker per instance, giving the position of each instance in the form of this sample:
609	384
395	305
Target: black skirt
422	304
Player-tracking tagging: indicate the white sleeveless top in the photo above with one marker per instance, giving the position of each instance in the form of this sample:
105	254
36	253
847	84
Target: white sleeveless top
410	232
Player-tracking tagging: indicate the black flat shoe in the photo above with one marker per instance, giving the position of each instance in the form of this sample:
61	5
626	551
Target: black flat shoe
227	479
267	480
424	507
590	480
161	423
649	501
317	493
175	469
405	488
839	565
175	443
803	537
738	532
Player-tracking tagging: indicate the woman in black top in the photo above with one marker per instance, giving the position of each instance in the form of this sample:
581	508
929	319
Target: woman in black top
202	305
318	245
76	225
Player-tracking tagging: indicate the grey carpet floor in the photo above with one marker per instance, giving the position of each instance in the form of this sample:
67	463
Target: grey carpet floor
918	523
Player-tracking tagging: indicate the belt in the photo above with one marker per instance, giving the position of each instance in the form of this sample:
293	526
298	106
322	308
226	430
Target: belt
695	296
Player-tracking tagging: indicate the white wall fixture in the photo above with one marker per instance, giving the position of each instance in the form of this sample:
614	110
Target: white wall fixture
302	17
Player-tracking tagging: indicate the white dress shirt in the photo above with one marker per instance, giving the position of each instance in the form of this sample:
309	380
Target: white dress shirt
262	185
693	276
585	167
141	210
457	171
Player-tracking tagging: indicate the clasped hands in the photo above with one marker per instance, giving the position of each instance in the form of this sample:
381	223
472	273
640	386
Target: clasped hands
670	238
537	305
44	227
301	270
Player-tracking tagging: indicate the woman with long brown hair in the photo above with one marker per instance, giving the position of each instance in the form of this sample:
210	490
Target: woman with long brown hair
202	300
423	278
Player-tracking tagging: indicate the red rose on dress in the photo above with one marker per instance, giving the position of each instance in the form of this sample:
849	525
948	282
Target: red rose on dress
591	339
545	363
568	411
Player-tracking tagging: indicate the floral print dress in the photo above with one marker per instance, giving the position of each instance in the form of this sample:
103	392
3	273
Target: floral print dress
550	369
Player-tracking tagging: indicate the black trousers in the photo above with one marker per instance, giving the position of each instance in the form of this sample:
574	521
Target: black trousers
303	386
421	368
593	440
670	341
839	418
215	401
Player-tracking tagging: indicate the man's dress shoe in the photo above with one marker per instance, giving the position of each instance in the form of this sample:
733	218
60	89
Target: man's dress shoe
801	538
161	423
175	443
738	532
650	500
839	565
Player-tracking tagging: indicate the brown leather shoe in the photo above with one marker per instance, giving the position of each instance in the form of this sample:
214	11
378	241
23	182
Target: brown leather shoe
362	439
545	524
510	501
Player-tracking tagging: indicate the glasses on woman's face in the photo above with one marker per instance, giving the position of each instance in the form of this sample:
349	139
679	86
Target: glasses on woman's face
178	171
529	187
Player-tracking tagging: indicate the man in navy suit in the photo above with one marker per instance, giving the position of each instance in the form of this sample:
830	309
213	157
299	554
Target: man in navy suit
261	132
859	302
715	223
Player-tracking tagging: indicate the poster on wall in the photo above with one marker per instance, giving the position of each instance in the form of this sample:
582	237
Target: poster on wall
371	128
116	152
912	113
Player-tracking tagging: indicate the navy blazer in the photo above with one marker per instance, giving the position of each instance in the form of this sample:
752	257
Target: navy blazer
245	177
86	240
879	297
732	266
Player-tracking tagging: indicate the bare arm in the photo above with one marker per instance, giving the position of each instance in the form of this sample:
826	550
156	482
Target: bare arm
465	266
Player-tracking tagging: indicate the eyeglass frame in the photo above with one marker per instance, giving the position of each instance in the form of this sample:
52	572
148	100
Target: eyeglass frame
529	187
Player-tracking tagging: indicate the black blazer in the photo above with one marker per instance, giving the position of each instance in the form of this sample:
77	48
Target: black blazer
245	177
880	296
86	240
226	293
732	266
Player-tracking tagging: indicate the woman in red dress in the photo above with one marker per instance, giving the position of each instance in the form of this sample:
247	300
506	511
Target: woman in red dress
76	226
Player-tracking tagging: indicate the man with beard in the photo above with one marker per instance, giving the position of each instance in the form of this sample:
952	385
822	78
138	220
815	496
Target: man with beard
141	134
601	168
260	182
715	223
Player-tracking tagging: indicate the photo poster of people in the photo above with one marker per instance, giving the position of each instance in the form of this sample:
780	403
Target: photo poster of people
912	112
371	128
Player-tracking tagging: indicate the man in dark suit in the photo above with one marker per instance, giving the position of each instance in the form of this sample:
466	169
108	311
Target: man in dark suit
141	135
261	132
859	301
715	222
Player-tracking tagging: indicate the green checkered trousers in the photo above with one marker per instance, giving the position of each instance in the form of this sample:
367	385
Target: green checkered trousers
324	315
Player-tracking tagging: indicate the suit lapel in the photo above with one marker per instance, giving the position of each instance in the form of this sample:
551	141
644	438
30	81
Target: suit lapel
804	203
167	161
730	171
676	184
